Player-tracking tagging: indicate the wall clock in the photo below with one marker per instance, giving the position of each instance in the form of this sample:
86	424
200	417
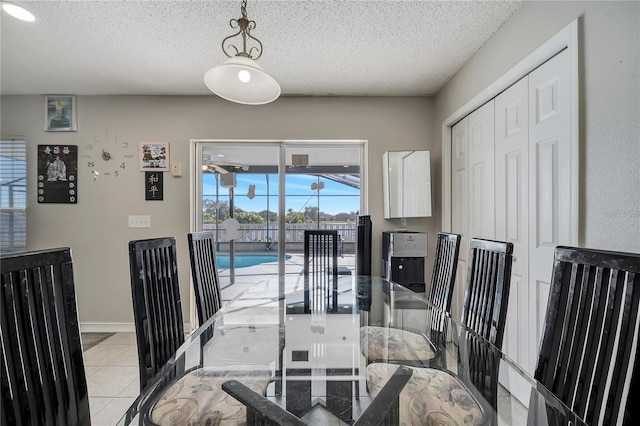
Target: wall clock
109	159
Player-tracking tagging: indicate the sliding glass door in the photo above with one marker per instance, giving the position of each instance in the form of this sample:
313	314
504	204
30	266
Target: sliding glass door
258	197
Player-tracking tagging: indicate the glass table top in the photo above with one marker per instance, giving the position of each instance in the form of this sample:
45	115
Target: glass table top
327	347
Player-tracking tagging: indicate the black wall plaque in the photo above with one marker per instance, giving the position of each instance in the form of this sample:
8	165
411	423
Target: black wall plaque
153	187
57	174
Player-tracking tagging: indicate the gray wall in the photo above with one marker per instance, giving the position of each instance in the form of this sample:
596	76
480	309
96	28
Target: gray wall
609	41
96	228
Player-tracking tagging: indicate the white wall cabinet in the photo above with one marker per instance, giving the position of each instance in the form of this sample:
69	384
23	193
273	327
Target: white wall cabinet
406	182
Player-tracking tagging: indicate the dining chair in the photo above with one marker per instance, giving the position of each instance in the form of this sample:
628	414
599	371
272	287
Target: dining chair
386	344
589	354
157	306
192	396
383	409
204	272
474	391
486	296
320	252
43	376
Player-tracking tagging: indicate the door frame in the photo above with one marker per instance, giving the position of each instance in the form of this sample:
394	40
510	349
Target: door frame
567	38
195	185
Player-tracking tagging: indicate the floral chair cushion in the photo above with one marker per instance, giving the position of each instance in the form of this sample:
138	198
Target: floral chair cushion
197	398
431	397
385	343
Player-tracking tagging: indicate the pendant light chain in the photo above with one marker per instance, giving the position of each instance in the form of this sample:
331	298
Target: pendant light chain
245	26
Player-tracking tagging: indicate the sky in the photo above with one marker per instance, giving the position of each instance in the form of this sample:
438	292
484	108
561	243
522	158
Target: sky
334	197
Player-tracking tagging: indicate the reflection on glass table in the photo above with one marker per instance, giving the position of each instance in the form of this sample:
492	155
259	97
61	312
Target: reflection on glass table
295	350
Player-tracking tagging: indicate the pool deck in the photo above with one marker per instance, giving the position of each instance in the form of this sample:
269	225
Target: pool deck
248	276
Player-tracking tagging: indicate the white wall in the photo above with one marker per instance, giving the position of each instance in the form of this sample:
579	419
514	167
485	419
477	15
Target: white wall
96	228
609	105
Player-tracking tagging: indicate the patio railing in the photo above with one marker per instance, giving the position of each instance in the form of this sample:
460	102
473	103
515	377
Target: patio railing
260	237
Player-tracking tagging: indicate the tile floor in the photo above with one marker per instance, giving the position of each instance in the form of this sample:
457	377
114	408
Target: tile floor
112	378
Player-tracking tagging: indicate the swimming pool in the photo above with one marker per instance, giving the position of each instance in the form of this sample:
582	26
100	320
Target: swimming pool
246	260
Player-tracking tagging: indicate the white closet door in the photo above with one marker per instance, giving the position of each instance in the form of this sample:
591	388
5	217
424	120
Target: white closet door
550	180
460	206
512	213
481	172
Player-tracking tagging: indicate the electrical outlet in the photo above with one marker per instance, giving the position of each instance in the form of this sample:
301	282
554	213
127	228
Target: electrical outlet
139	221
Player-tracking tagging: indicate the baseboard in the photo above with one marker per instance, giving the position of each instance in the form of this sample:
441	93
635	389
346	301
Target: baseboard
107	327
114	327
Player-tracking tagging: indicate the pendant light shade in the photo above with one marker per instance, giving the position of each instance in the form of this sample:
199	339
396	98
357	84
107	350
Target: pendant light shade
242	80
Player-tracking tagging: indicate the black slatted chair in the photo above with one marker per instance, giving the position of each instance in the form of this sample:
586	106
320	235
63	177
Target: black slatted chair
384	344
484	312
43	376
157	306
321	270
484	315
189	397
320	253
202	253
487	294
589	349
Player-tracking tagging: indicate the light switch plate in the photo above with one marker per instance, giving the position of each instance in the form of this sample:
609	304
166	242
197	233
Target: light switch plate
139	221
176	168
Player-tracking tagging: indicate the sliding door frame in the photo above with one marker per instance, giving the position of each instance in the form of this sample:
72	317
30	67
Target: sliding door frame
195	183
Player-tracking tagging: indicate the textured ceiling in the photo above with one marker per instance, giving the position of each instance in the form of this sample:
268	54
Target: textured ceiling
347	48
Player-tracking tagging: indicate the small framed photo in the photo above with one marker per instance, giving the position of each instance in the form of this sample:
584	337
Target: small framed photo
154	156
60	113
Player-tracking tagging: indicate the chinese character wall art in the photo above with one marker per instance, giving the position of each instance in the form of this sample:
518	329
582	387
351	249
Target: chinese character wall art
57	174
60	114
154	156
153	187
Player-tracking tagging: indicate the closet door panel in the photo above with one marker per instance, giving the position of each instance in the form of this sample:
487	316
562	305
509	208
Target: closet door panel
481	172
460	207
550	190
512	218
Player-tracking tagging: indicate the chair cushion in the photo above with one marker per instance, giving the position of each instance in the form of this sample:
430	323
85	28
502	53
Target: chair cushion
198	398
384	343
431	397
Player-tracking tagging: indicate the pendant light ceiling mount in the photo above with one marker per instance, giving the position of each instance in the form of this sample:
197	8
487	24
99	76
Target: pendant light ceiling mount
240	79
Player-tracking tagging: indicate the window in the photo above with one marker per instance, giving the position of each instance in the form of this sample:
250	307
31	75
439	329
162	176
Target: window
13	196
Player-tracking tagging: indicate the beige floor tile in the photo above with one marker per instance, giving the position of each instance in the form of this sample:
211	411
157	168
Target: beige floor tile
131	391
112	412
121	339
98	403
129	357
111	381
89	370
102	355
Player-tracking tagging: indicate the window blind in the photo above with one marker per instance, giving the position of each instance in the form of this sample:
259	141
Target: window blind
13	196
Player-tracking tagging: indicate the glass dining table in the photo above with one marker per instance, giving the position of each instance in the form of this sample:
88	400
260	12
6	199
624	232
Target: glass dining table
309	339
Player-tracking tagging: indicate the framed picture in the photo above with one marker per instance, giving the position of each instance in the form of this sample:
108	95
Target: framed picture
60	113
154	156
57	173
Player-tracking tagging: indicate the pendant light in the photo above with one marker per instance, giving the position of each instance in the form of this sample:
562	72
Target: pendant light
240	79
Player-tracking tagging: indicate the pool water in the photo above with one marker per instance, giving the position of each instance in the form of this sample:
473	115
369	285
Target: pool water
246	260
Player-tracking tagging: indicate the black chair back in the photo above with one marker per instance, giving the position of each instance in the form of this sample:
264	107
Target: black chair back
43	377
487	294
202	254
157	307
445	265
589	350
320	252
